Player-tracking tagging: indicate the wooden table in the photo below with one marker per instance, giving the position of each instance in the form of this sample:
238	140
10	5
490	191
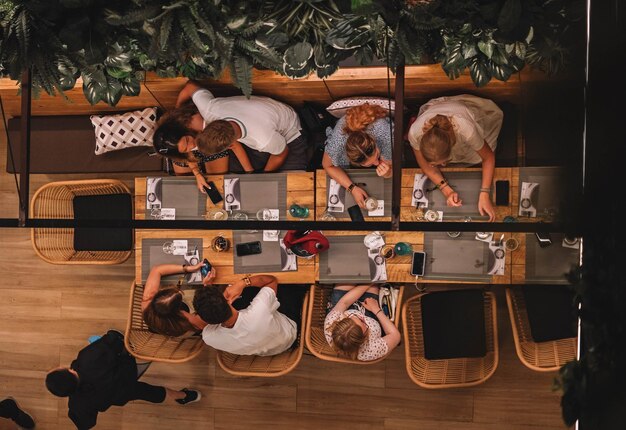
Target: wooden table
399	267
222	261
299	190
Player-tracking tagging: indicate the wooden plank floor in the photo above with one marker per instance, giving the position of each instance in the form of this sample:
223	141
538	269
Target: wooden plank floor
48	311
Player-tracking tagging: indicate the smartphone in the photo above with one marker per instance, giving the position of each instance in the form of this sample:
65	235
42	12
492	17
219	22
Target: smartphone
544	239
418	263
213	193
206	268
502	193
248	248
355	213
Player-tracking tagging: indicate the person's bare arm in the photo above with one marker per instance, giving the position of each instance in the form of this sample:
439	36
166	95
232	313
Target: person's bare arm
392	335
342	178
276	160
435	176
350	297
186	93
242	156
154	279
234	290
485	207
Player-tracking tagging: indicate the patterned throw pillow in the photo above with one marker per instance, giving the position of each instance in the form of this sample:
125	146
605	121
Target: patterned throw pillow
126	130
339	108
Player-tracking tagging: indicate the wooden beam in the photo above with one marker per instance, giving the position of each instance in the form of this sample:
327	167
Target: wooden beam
398	142
25	147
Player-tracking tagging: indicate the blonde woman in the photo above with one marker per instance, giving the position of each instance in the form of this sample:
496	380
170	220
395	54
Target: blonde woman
360	138
353	325
460	129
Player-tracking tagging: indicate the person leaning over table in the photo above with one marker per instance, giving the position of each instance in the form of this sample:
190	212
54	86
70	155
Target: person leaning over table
354	330
164	309
259	329
459	129
362	137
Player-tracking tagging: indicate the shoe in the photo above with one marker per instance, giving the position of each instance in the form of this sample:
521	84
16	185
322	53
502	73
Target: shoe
191	396
23	419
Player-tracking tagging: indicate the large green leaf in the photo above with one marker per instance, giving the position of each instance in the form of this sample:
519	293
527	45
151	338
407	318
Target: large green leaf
119	72
345	35
94	85
297	56
296	73
242	74
479	72
486	47
113	92
274	40
131	87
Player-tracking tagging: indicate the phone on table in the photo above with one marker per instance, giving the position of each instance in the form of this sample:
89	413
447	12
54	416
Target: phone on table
355	213
206	268
544	239
213	193
248	248
502	193
418	263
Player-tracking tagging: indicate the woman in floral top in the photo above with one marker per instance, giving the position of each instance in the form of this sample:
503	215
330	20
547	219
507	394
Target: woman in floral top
353	325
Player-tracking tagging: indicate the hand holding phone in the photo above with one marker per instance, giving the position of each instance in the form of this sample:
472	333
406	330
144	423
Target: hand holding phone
205	269
213	193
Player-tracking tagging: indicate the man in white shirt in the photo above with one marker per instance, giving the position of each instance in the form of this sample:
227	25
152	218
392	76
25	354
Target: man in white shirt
259	123
258	329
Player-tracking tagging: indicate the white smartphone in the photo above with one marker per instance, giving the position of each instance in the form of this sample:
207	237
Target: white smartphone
418	263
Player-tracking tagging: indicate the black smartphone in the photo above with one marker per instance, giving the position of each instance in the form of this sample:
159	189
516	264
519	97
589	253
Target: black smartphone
502	193
418	263
206	268
544	239
248	248
355	213
213	193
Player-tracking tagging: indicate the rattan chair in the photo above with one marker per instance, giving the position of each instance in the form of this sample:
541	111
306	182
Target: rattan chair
266	366
315	338
147	345
55	200
541	356
447	373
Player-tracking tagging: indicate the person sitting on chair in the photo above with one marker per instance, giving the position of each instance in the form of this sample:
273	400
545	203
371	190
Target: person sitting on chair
459	129
354	330
259	329
103	375
362	137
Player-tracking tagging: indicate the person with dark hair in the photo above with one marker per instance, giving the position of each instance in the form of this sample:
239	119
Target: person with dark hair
103	375
259	329
11	410
164	309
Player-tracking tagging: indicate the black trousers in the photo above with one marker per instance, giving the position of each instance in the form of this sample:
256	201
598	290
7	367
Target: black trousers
8	409
147	392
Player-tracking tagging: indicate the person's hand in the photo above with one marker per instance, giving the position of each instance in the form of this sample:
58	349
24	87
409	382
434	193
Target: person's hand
201	183
371	305
485	207
194	267
453	199
384	168
233	292
210	277
359	196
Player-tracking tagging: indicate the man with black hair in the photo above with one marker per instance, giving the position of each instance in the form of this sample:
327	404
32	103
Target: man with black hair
258	329
105	374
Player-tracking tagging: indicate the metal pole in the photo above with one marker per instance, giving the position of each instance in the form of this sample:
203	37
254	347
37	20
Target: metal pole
25	147
398	143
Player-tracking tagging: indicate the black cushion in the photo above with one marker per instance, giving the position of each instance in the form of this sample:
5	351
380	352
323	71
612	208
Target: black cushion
102	207
551	311
454	324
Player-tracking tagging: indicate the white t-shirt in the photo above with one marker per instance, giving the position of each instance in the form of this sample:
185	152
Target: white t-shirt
266	124
259	330
475	121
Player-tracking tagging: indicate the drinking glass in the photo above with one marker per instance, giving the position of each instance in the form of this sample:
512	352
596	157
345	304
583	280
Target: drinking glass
298	211
263	214
403	248
327	216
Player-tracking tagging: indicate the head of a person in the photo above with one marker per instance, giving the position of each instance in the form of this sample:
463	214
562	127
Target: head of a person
359	117
348	334
211	305
172	138
163	315
62	382
216	137
361	149
438	140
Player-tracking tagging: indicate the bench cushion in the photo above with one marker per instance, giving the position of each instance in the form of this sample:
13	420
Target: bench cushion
101	207
453	323
66	144
551	312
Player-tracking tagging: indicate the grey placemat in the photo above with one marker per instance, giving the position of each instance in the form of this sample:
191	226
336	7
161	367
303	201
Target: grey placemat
468	185
271	258
550	264
377	187
458	259
152	254
260	191
345	260
183	195
547	197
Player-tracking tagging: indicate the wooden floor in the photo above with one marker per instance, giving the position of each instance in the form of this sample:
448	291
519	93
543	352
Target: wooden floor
47	313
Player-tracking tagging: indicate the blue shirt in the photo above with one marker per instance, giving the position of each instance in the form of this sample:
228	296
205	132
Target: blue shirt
336	140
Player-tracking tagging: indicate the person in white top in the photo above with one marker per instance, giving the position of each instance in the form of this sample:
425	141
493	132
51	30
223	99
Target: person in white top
459	129
258	329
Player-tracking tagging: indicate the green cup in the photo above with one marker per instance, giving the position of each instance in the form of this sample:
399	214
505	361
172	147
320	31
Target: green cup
403	248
